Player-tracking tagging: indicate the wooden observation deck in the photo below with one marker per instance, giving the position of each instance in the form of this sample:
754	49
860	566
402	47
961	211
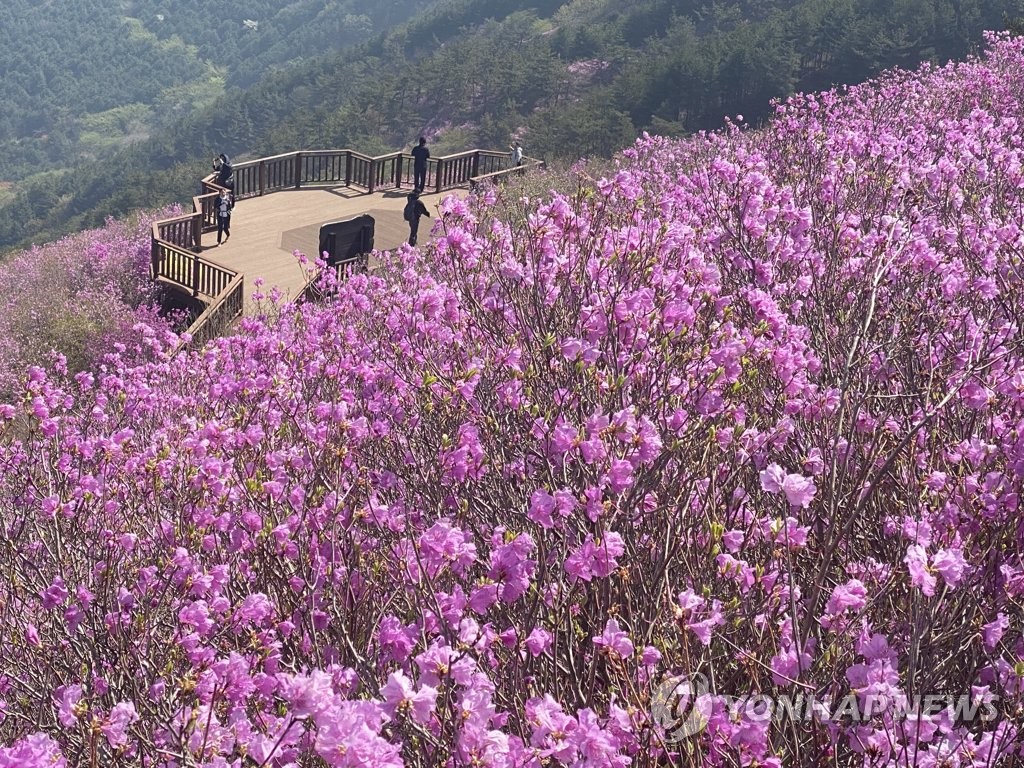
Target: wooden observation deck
281	203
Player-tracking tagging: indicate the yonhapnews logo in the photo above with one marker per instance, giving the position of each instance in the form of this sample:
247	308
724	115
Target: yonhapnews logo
682	706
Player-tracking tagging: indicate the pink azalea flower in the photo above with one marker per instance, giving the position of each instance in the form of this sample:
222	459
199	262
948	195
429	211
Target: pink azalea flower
55	594
917	565
620	476
542	504
950	563
799	490
992	632
307	694
67	700
115	726
772	478
34	751
703	629
400	694
538	641
851	596
615	640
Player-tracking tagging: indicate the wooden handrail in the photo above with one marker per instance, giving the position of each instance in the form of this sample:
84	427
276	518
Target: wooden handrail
528	164
219	315
176	241
201	277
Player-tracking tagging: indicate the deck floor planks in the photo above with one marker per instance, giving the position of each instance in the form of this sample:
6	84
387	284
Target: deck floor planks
265	231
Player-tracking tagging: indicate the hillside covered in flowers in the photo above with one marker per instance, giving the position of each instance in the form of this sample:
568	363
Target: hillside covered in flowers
749	411
82	297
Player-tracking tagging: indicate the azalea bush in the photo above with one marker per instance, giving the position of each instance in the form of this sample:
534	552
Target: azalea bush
78	298
748	410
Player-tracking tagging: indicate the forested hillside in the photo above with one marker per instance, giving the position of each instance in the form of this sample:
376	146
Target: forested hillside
87	75
248	38
59	71
571	79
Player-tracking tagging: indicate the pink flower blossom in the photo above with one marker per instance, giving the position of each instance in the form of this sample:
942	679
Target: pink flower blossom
307	695
993	632
67	700
952	566
115	725
917	564
538	641
851	596
799	490
615	640
400	694
542	504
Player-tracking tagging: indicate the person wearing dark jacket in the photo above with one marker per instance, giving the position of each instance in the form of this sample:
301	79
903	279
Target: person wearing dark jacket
420	155
414	208
225	203
224	171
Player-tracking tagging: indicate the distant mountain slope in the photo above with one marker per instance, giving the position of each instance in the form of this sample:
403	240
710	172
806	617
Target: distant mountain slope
61	66
81	77
248	38
571	79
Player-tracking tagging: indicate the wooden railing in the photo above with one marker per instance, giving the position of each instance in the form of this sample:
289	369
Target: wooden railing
175	259
346	167
529	164
177	241
219	316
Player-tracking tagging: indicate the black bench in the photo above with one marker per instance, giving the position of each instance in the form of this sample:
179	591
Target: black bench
347	243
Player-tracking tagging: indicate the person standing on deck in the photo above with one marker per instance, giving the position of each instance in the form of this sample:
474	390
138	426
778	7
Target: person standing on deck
414	208
225	173
420	155
517	154
225	203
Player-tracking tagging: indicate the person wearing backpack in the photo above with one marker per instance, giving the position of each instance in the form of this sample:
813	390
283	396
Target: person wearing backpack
414	208
225	173
225	203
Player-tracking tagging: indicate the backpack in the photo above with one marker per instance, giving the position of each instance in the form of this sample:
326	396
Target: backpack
410	210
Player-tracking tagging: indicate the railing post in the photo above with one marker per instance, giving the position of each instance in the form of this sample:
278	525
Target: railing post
261	177
372	181
398	171
348	168
440	174
298	169
475	165
195	275
197	228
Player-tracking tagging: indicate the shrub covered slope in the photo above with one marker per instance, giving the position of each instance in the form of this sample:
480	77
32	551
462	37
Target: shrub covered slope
751	409
78	298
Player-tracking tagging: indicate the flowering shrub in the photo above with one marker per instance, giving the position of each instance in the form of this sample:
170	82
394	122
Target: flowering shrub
750	409
79	297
